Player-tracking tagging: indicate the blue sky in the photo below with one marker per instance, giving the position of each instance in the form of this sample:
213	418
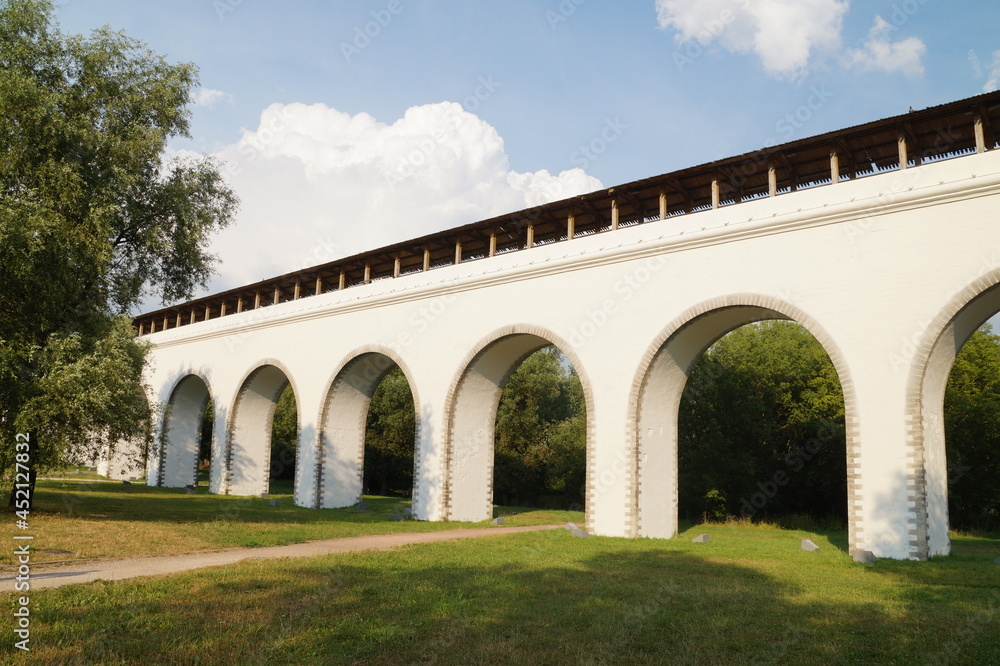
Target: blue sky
350	125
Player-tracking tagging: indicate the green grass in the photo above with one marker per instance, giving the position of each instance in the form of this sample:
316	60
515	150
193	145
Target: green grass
749	596
84	519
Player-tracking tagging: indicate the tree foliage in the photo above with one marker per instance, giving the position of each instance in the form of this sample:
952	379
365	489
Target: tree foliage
972	433
93	219
284	436
761	428
389	437
541	434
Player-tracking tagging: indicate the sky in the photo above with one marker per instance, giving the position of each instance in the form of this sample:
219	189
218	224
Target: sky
349	125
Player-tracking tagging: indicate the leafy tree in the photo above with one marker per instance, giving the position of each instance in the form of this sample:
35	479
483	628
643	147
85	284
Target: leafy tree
284	436
972	433
540	435
761	427
93	219
389	437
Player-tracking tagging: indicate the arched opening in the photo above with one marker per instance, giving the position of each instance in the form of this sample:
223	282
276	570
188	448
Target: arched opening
203	476
540	438
761	431
284	444
471	445
390	436
251	431
944	464
362	449
182	433
657	401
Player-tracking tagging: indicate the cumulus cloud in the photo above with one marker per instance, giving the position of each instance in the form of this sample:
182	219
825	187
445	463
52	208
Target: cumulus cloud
879	53
210	97
317	184
784	34
993	80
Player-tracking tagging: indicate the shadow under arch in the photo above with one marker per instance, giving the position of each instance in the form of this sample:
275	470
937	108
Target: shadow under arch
930	369
341	441
248	433
656	393
470	417
181	431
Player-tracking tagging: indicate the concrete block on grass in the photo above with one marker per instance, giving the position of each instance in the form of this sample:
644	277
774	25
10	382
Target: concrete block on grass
496	521
864	556
808	544
275	503
360	506
701	538
582	534
395	517
570	527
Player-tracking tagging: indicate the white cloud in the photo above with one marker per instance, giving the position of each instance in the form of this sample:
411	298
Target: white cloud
993	81
881	54
784	34
317	184
210	97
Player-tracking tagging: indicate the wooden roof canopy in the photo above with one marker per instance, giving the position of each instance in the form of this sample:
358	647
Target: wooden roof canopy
941	132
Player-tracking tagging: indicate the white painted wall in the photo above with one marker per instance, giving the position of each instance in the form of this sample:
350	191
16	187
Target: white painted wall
870	266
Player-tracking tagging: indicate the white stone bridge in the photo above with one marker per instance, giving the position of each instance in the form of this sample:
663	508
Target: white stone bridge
883	240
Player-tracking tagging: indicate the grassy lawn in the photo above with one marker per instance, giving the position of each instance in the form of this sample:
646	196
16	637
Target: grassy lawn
749	596
85	519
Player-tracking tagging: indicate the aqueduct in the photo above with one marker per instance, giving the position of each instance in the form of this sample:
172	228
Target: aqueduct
880	239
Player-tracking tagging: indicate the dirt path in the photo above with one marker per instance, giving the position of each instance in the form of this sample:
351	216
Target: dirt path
55	575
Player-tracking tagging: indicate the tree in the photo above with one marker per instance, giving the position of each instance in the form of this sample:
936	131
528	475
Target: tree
541	434
765	400
390	437
284	436
93	219
972	433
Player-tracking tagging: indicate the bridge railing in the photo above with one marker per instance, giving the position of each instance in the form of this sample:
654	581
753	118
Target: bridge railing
906	141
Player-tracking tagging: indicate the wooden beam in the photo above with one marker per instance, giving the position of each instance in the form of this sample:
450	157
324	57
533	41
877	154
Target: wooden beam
834	166
772	180
614	214
222	309
208	312
140	328
298	290
256	300
319	286
165	322
427	259
715	193
193	318
980	134
904	159
178	322
239	303
493	243
530	241
342	282
368	271
395	266
570	226
276	297
458	252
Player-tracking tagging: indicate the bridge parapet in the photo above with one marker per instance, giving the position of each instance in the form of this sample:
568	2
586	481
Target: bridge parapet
951	130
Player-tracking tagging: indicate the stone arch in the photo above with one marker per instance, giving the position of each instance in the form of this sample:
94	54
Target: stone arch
341	441
930	368
181	433
470	417
248	435
654	404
